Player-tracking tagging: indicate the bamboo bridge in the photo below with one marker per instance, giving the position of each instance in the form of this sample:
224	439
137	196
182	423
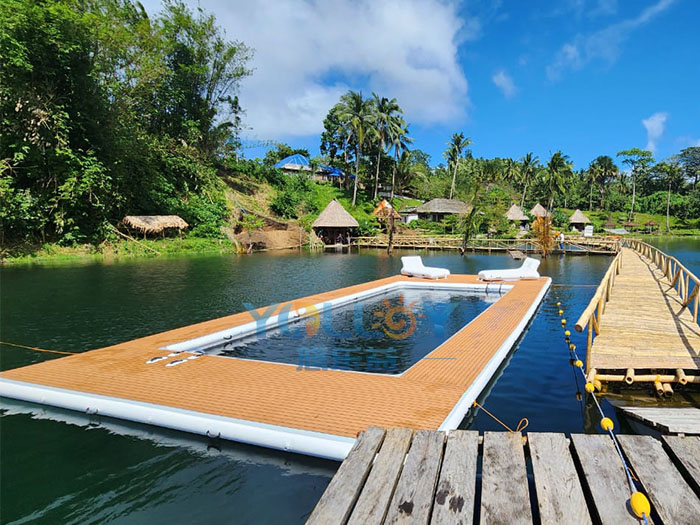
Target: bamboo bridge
642	322
572	245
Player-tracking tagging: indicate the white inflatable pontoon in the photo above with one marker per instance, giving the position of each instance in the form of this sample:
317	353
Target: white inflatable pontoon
413	267
528	270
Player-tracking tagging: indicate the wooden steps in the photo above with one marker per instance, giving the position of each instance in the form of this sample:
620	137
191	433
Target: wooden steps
437	479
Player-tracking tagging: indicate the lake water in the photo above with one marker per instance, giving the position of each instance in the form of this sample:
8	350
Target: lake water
63	467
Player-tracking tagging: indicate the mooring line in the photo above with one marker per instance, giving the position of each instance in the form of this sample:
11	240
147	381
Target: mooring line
638	501
38	349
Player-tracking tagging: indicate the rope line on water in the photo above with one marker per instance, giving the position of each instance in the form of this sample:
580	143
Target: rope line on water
522	424
638	501
37	349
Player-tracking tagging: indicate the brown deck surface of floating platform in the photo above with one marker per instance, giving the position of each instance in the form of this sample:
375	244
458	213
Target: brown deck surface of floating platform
644	324
396	476
336	402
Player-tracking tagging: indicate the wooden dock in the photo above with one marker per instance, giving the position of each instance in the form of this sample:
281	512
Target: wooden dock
398	476
669	420
642	321
573	245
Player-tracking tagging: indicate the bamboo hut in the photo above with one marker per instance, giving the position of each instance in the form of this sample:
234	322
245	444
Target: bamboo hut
334	224
516	216
437	209
153	224
578	221
539	211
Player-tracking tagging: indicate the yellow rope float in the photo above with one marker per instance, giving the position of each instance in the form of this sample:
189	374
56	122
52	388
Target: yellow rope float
37	349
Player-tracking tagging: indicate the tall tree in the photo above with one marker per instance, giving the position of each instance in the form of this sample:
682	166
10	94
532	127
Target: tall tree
455	149
638	160
690	160
594	175
671	175
356	113
607	173
553	177
387	118
400	142
530	166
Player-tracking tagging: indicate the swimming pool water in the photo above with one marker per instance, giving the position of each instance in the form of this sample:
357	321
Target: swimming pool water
385	333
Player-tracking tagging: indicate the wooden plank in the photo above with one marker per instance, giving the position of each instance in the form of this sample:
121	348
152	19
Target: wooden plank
605	478
666	419
455	494
413	498
559	494
338	499
686	449
505	497
374	500
671	496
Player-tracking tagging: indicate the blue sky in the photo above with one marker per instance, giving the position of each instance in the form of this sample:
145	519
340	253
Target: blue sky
588	77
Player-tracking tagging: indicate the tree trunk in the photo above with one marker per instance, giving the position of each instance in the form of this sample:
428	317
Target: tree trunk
393	181
376	176
357	175
551	203
454	177
390	244
668	207
522	199
634	193
590	199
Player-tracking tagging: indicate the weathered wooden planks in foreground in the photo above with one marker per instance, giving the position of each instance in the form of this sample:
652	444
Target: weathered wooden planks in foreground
397	476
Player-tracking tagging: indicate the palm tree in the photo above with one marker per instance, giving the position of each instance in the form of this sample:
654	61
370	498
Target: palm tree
529	168
608	172
387	119
454	152
511	171
595	175
400	142
356	113
638	160
672	175
558	168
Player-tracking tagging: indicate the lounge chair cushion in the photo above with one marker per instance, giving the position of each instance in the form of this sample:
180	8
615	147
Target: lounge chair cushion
528	270
413	267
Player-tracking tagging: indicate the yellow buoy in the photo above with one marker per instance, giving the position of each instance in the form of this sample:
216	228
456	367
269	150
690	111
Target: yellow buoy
589	388
561	312
563	322
640	504
579	363
567	333
558	304
607	424
572	347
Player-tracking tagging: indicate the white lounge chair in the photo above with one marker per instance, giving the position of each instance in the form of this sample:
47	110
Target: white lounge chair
528	270
413	267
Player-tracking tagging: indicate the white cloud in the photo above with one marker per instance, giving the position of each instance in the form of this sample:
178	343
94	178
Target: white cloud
655	128
505	83
603	44
309	52
603	8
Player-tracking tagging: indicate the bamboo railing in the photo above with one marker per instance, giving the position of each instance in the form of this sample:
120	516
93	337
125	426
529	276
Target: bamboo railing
596	307
682	280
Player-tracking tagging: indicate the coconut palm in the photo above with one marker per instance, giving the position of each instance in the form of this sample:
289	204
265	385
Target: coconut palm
387	119
454	153
511	171
530	166
594	176
400	142
607	173
356	112
553	176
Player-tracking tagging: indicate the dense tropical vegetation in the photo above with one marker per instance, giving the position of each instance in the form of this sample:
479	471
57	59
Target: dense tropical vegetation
106	111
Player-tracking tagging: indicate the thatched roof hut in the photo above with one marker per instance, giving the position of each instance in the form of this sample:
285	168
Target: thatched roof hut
579	218
385	210
515	214
153	223
443	207
335	216
539	211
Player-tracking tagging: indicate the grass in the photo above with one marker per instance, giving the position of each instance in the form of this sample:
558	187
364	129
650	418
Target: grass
678	227
113	250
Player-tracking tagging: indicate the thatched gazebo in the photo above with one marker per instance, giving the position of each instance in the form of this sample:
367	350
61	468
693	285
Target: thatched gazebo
630	224
578	221
334	224
515	215
153	224
651	225
539	211
436	209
